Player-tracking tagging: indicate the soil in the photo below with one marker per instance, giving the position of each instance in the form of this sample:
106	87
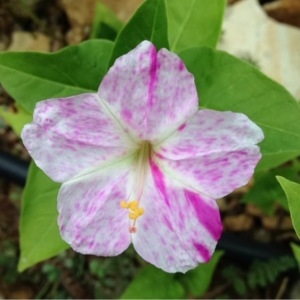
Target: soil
43	25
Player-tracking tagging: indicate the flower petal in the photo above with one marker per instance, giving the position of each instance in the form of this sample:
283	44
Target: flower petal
91	219
70	135
214	152
151	92
179	228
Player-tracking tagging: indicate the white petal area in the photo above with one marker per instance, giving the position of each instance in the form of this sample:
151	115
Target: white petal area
179	228
90	218
209	132
71	135
151	91
213	153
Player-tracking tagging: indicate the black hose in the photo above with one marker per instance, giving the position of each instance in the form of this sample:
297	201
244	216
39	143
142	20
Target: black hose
13	168
244	249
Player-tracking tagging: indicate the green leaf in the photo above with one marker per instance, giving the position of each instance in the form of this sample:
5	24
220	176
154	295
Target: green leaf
194	23
240	287
16	119
105	23
266	190
40	238
152	283
30	77
198	280
227	83
292	191
148	23
296	252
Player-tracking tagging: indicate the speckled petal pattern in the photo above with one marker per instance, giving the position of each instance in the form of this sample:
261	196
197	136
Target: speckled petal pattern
70	135
151	92
214	153
179	228
91	219
139	163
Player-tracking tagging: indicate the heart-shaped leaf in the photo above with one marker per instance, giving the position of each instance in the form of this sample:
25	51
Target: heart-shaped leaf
30	77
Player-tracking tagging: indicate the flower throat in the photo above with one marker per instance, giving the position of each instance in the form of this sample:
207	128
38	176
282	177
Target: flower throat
142	164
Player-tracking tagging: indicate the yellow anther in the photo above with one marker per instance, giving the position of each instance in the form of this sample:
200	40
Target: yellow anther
134	214
133	205
124	204
135	210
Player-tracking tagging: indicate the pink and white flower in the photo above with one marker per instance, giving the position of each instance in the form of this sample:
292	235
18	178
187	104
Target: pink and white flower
140	163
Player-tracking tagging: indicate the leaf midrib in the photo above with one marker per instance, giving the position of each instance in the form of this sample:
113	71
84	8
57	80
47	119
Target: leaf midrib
180	31
278	129
154	19
82	89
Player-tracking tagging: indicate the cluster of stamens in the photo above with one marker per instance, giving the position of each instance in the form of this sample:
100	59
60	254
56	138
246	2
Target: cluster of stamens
134	212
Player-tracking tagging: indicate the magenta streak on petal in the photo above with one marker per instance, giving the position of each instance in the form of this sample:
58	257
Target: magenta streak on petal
206	215
204	252
181	66
153	76
159	155
159	181
126	114
168	223
181	127
91	244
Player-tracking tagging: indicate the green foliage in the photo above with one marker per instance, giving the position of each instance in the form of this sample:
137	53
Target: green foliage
184	24
103	268
194	23
148	23
263	273
8	262
152	283
234	275
31	77
51	271
266	190
260	274
292	191
40	238
16	120
227	83
105	24
197	281
296	252
112	275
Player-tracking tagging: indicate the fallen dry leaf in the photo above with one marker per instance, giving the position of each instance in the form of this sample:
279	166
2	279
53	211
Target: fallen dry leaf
270	222
25	41
286	11
253	210
240	222
124	9
80	15
250	33
286	223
